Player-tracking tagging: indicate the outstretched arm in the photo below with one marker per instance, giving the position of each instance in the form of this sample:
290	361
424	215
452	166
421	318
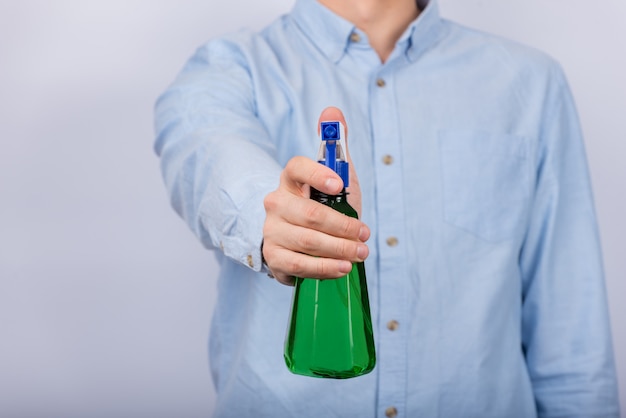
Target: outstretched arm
219	165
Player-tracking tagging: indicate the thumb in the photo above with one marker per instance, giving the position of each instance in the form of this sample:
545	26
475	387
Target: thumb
335	114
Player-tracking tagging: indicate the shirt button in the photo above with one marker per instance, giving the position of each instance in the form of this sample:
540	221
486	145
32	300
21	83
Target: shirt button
355	37
393	325
392	241
391	412
250	262
380	82
387	159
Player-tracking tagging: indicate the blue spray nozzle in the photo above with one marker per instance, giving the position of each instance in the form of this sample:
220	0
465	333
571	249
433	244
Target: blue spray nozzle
330	131
331	152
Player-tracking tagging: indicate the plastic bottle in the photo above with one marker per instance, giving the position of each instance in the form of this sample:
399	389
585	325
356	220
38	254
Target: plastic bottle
330	328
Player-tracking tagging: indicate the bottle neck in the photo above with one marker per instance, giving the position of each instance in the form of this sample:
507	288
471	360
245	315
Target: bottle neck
326	198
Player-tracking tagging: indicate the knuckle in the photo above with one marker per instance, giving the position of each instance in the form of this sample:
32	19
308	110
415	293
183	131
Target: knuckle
295	266
347	227
344	249
314	214
307	242
321	268
325	269
270	202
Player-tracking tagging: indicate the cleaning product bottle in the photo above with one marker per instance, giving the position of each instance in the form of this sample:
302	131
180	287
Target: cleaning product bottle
330	328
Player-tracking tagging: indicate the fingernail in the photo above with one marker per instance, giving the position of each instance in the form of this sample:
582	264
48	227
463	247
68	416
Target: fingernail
332	184
363	234
345	266
361	252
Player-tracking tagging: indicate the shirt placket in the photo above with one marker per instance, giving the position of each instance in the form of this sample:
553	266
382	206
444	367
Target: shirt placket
391	236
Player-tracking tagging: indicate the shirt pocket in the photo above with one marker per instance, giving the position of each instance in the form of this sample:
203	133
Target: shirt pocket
486	182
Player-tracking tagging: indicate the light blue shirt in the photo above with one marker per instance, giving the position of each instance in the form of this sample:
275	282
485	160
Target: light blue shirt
484	244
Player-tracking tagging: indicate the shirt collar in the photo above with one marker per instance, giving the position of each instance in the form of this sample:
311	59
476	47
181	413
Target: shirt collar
331	33
424	31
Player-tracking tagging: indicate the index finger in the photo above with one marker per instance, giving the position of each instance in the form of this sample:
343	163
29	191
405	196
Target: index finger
300	171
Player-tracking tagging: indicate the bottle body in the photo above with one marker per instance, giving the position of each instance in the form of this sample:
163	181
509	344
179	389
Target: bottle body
330	328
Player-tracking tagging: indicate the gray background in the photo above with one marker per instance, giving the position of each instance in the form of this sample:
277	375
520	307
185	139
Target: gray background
105	297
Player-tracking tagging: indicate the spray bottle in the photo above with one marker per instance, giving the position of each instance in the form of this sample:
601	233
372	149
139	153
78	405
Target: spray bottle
330	328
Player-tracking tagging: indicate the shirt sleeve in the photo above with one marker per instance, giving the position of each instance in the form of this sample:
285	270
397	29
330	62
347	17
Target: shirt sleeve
565	325
217	158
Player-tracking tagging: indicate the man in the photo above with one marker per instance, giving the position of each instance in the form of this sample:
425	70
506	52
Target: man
482	253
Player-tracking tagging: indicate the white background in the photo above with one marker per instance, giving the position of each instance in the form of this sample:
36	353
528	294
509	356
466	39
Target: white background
105	297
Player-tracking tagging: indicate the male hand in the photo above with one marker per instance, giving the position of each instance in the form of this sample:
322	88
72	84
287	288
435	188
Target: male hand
305	238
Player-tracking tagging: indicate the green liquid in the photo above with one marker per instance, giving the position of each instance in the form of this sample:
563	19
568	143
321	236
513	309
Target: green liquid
330	329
